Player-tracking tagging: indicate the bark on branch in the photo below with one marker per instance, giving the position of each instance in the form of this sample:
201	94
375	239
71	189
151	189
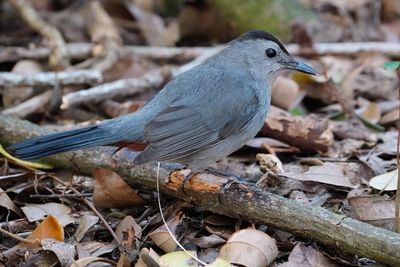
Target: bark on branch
238	200
80	51
46	79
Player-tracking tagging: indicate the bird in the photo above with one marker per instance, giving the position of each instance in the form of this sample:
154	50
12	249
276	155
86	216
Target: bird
197	118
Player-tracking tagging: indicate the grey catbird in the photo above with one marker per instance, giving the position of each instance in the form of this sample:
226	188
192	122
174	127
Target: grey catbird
199	117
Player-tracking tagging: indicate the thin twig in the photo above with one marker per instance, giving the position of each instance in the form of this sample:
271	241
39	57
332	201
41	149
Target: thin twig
61	195
21	239
91	206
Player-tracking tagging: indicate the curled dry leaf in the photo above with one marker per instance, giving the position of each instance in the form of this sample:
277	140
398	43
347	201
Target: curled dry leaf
373	209
85	222
162	238
48	228
285	93
111	191
64	252
147	258
250	247
305	256
7	203
386	181
36	212
127	231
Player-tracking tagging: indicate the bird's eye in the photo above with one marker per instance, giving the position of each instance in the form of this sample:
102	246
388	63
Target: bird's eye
270	52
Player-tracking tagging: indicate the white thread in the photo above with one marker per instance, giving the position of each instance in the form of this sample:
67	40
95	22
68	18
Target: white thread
165	223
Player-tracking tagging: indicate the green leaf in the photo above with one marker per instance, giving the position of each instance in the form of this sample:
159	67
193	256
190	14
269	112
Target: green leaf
391	65
296	112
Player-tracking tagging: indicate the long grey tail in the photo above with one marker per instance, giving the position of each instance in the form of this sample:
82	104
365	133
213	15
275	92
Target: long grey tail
46	145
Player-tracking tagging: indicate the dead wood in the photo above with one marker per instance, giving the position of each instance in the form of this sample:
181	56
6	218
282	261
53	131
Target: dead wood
50	79
58	54
309	133
33	105
80	51
238	200
151	80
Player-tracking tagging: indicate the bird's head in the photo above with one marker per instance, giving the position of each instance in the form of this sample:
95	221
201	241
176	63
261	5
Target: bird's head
263	54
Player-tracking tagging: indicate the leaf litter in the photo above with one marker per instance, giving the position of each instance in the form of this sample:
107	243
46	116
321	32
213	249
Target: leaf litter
354	174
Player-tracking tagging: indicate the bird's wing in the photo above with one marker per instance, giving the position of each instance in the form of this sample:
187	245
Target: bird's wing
175	133
181	131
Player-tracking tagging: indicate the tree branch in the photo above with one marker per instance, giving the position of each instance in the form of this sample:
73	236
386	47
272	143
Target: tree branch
46	79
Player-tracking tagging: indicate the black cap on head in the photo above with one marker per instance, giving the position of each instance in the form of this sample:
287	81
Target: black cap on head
258	34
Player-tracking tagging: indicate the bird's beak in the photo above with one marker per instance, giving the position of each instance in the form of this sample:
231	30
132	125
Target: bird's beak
295	64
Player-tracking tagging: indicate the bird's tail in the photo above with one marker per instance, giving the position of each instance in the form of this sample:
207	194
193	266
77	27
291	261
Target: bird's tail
46	145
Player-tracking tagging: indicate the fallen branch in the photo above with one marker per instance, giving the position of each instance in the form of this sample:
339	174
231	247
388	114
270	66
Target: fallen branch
50	79
309	133
77	51
58	55
151	80
80	51
238	200
33	105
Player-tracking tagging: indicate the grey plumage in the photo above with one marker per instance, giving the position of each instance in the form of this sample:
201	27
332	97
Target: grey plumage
199	117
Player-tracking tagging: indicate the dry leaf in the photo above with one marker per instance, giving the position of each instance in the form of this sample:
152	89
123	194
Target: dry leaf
96	248
162	238
147	256
305	256
371	112
124	260
48	228
127	231
347	174
386	181
390	117
88	260
285	93
85	222
178	259
206	241
64	252
219	263
111	191
36	212
250	247
7	203
374	209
